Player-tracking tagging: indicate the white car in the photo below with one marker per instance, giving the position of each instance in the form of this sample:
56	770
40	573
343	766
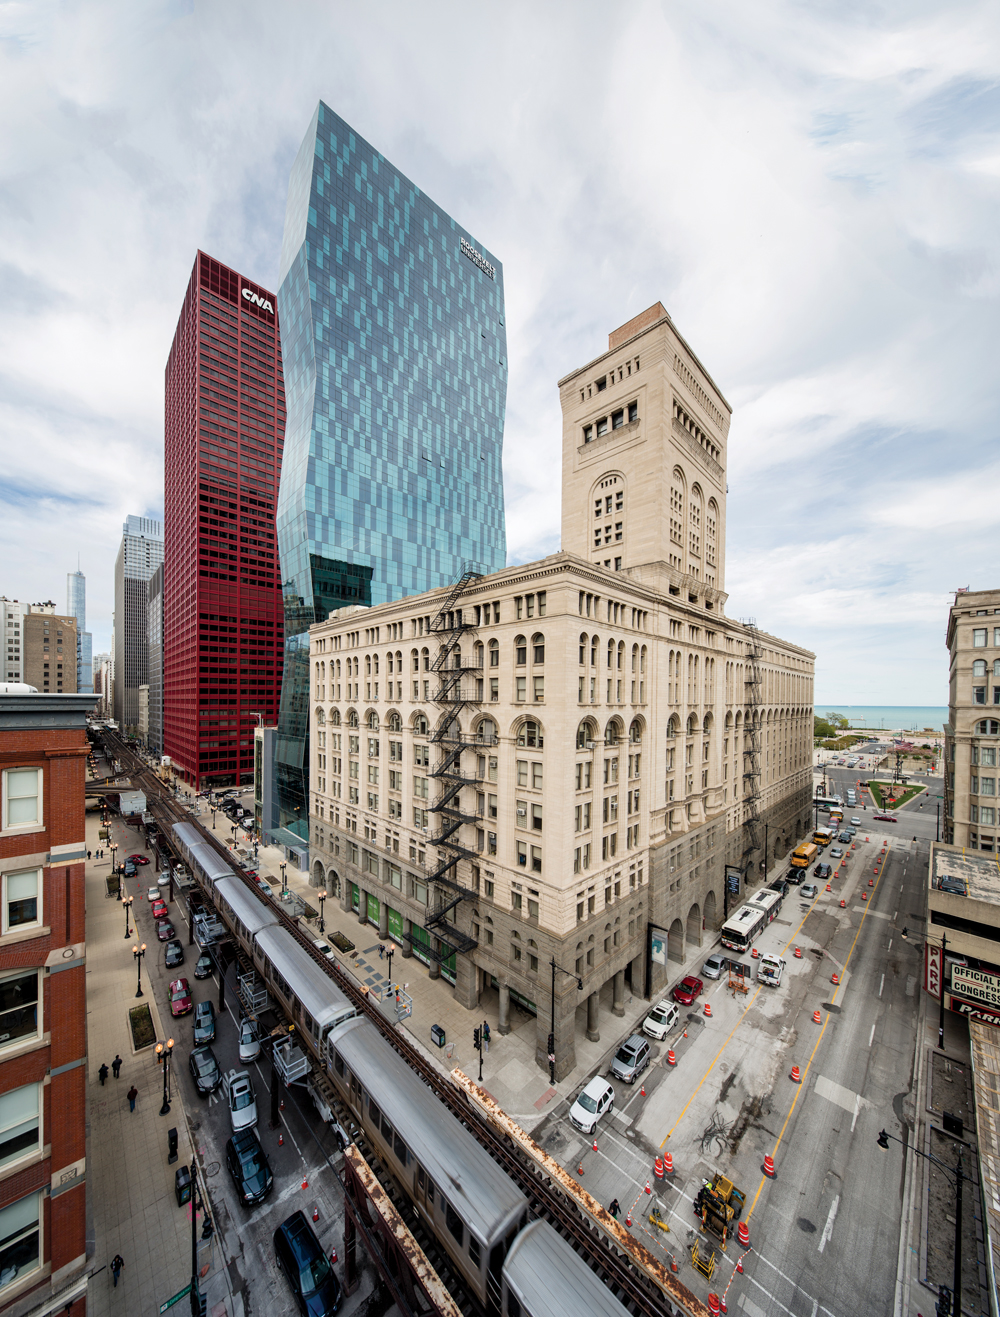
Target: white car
661	1019
324	948
153	894
596	1099
855	822
238	1088
266	888
249	1042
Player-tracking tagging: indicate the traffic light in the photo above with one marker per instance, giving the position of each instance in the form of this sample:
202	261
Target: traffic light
943	1305
199	1303
476	1039
207	1229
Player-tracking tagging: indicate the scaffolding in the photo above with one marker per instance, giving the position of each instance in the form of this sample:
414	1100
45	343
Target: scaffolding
459	687
751	746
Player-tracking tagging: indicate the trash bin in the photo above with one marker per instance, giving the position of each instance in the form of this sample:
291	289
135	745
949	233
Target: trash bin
182	1185
437	1035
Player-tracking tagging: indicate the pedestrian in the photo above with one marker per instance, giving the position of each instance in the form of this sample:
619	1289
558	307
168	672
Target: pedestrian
102	1074
486	1036
88	855
381	951
615	1208
117	1262
132	1094
116	1065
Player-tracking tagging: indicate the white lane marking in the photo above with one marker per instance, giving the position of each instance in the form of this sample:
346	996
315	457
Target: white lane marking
836	1093
815	1308
827	1232
750	1308
889	947
857	1108
881	985
871	1036
894	914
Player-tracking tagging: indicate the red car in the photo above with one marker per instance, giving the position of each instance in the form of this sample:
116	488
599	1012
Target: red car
886	818
687	990
159	910
165	931
180	997
139	859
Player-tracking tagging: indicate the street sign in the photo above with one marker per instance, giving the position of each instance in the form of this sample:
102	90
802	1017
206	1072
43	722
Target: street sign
176	1299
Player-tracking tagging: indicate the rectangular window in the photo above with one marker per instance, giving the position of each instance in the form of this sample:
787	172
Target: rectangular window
373	774
420	787
521	691
618	419
421	755
538	689
979	637
19	1240
536	817
986	786
19	1123
536	859
22	800
419	818
419	891
522	772
536	777
19	1004
522	854
454	1222
986	815
979	694
22	893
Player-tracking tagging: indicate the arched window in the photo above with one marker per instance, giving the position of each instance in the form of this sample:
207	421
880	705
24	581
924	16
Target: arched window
335	717
673	726
692	725
583	649
611	654
494	648
479	653
537	648
996	667
621	655
420	725
706	725
979	668
372	721
988	727
415	660
635	731
374	665
368	665
613	732
320	718
394	722
642	660
486	732
425	656
520	651
635	657
389	663
530	734
587	731
352	718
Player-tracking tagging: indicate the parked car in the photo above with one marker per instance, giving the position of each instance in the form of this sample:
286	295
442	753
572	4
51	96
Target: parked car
165	930
809	891
204	1023
631	1059
597	1098
324	948
687	990
714	965
661	1019
795	876
836	853
249	1041
205	1070
779	885
238	1087
823	871
956	886
298	1254
173	954
249	1168
164	878
886	818
129	869
180	997
203	967
152	894
159	910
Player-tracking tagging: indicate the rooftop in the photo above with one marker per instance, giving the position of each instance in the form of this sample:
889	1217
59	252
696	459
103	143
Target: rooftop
979	870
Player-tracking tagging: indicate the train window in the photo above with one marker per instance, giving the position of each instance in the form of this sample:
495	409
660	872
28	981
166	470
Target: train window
454	1222
310	1023
374	1113
430	1191
473	1249
338	1064
513	1305
387	1131
399	1147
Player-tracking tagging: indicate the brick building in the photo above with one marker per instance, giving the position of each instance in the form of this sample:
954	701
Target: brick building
43	1009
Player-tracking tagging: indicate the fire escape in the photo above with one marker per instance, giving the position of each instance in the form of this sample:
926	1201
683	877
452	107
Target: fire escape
751	746
459	688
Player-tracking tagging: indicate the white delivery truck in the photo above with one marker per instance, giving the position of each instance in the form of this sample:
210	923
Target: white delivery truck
770	969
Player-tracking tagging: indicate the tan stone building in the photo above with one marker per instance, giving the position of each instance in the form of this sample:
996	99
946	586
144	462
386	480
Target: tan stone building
972	736
49	650
558	761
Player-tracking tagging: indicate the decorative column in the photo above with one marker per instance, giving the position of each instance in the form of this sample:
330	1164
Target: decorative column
593	1033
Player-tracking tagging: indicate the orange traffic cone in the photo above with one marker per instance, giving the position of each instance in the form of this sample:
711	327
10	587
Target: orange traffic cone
768	1168
798	953
281	1139
673	1264
817	1018
843	905
333	1255
739	1266
305	1183
315	1213
754	954
671	1059
595	1143
833	979
658	1168
743	1230
796	1077
648	1190
642	1091
668	1163
579	1169
628	1217
708	1008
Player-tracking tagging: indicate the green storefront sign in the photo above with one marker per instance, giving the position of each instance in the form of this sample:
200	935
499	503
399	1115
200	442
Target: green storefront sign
354	896
395	924
421	943
373	909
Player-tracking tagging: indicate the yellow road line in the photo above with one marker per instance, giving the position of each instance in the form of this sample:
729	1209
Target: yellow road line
781	1132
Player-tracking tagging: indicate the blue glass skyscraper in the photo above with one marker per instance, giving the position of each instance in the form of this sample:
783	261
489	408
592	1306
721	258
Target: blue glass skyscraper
395	361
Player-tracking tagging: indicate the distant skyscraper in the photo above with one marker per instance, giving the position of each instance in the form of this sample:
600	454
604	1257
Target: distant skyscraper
154	634
76	603
140	554
396	370
12	615
222	613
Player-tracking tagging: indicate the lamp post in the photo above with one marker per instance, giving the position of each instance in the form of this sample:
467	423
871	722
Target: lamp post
138	953
164	1051
552	1035
322	897
959	1174
127	903
284	889
113	848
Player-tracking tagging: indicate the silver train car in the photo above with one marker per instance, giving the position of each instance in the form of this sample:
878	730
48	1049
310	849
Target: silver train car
309	997
543	1276
473	1207
243	913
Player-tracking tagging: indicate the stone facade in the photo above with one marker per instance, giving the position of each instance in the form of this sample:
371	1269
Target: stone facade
972	736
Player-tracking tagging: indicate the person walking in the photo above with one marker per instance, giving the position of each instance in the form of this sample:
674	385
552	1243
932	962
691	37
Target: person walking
102	1074
486	1036
117	1262
381	951
615	1208
116	1066
132	1094
88	855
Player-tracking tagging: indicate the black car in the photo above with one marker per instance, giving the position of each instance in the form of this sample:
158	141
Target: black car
779	885
823	871
204	1023
203	969
795	876
298	1254
173	954
249	1167
205	1070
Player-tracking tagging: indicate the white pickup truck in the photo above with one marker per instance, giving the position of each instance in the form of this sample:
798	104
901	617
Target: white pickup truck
770	969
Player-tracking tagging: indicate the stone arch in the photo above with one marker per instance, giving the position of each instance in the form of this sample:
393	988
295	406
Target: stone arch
318	874
419	724
333	883
587	731
711	908
486	730
529	732
393	721
675	942
694	925
335	717
614	731
320	717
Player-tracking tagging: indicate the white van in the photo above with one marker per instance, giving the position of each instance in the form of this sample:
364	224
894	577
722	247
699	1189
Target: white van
770	969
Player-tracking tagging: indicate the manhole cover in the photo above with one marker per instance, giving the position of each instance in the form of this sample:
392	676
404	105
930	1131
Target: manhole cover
213	1168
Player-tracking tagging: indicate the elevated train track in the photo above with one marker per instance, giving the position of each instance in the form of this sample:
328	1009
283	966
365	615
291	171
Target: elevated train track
647	1289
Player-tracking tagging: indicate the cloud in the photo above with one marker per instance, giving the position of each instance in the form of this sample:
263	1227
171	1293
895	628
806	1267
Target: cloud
810	190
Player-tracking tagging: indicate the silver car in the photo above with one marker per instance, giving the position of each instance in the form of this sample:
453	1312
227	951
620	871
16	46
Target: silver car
714	966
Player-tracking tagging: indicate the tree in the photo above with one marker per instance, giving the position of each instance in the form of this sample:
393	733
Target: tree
837	720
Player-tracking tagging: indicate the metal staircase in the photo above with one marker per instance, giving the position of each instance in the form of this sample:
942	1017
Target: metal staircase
459	689
751	746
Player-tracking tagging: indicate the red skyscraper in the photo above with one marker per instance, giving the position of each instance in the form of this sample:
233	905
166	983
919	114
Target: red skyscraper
222	607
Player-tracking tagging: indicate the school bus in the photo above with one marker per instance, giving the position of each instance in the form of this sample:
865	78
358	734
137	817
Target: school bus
804	855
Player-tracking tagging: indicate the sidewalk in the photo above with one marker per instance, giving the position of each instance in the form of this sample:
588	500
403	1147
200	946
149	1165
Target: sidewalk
132	1208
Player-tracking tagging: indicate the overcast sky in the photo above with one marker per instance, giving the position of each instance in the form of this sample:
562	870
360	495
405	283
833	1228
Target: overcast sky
811	191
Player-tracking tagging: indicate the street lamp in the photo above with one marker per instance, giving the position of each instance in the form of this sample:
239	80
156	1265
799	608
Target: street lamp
138	953
284	888
164	1051
322	897
113	848
127	903
958	1173
552	1035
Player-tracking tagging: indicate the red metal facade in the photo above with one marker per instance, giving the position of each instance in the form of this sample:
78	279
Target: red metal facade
44	1043
222	606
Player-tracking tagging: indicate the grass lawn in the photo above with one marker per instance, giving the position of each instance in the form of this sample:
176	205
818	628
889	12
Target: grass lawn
141	1023
880	794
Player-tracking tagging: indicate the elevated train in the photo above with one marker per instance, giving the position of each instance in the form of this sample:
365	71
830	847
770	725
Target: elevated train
515	1267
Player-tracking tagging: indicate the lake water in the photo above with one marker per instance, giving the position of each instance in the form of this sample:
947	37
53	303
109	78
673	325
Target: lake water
891	717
